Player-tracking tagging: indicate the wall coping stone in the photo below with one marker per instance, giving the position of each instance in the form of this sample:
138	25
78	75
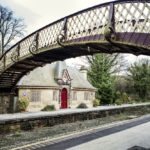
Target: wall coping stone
19	117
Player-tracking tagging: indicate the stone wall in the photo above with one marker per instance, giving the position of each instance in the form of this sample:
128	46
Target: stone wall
46	98
25	123
4	103
74	103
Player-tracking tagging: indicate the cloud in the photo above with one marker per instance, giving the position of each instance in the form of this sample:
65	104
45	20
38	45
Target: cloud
38	13
30	17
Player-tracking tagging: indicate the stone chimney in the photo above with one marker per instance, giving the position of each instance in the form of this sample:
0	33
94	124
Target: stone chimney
83	71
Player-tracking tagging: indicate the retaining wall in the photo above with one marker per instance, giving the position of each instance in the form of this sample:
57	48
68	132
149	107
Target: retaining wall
30	121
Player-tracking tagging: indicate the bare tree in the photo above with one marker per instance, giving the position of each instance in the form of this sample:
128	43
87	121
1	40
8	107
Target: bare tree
116	61
11	28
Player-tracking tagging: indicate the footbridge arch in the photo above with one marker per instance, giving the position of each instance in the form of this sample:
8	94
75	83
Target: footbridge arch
121	26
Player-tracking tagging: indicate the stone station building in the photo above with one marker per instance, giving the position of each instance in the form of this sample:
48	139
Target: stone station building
56	84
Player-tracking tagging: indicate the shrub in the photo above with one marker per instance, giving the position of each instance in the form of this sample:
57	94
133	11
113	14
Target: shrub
122	98
23	103
118	94
125	98
49	108
119	102
130	100
96	102
82	105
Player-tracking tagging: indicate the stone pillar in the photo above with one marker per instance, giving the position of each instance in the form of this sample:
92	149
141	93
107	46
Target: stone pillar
13	103
4	103
7	103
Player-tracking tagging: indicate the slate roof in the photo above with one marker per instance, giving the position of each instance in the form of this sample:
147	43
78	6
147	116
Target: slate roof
41	76
77	80
45	76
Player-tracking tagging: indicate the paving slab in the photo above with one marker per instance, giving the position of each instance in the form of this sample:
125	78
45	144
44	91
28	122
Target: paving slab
134	138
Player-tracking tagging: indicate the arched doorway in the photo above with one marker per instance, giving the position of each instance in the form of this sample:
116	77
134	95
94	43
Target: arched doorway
64	98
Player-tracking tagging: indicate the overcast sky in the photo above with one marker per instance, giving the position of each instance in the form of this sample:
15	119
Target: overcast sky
38	13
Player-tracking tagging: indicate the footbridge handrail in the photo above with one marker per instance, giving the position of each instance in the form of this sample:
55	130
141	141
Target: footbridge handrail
74	26
124	22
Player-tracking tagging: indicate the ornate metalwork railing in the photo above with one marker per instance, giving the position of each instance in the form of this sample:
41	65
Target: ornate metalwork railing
98	24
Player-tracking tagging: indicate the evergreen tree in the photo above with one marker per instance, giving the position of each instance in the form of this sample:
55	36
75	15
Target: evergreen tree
139	76
102	68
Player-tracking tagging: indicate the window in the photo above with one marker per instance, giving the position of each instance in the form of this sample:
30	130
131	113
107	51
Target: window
35	96
86	95
92	96
74	95
55	95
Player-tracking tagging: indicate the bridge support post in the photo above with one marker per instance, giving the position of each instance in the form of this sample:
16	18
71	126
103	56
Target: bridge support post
63	34
112	17
110	28
33	48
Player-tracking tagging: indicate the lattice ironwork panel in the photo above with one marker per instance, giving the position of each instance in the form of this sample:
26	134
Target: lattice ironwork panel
88	23
24	46
132	17
49	35
10	56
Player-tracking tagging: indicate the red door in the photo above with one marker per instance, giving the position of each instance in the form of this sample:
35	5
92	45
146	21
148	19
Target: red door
64	102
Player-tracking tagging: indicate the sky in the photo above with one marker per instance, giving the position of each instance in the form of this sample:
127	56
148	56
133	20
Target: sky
38	13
